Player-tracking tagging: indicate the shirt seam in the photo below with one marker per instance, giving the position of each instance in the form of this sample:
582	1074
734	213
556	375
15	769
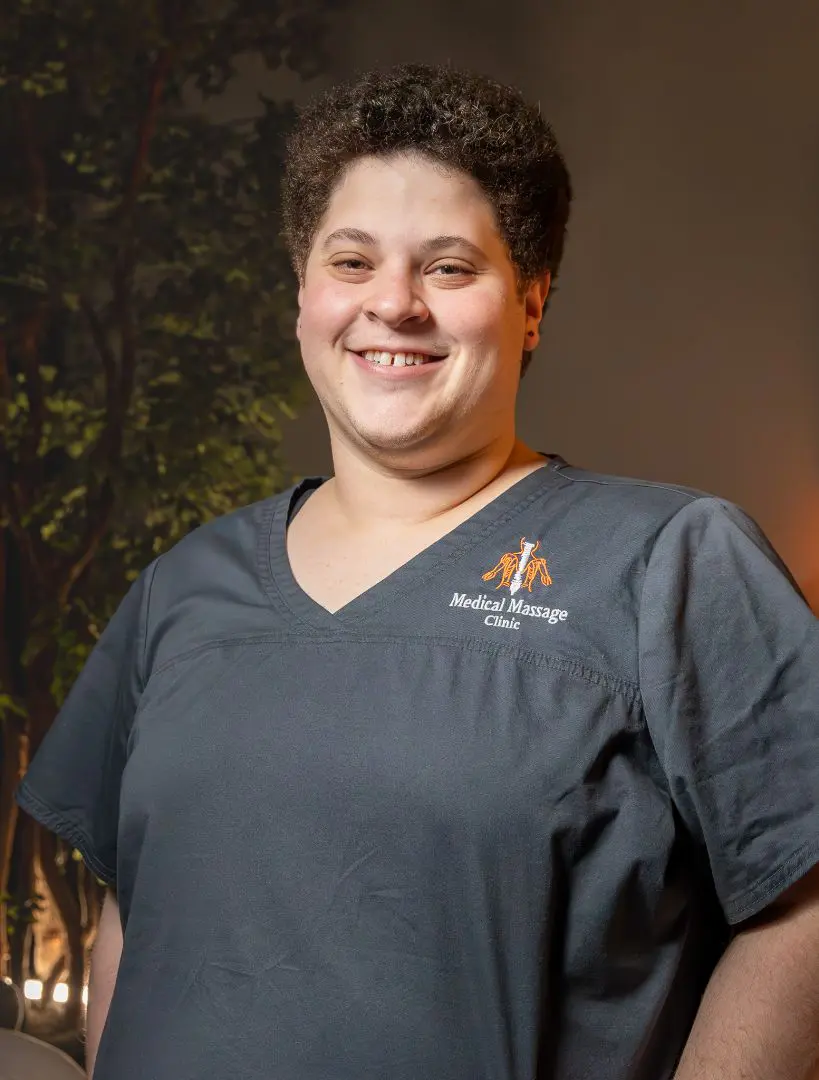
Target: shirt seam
626	481
63	826
570	666
661	530
773	884
149	586
264	556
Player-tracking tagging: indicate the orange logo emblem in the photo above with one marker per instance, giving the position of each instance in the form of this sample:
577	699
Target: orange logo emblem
520	569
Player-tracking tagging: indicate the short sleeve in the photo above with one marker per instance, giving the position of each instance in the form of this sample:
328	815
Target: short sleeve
72	785
729	676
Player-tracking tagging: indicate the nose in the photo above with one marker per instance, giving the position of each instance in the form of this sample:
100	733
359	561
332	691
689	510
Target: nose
395	299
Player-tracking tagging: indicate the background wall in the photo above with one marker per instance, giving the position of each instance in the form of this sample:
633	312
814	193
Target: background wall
684	342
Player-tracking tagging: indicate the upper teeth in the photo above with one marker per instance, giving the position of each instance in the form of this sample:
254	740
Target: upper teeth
400	359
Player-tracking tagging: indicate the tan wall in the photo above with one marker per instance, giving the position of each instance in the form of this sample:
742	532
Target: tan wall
684	343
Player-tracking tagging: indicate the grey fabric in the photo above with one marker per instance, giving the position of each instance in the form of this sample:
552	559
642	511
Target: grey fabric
490	821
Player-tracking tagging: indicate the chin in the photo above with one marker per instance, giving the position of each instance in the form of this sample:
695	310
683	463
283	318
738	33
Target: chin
397	441
394	429
404	442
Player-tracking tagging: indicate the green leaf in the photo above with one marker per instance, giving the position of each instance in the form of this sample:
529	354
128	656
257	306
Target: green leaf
9	705
192	271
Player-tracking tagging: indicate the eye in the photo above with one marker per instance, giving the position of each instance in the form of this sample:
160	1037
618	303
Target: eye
452	270
350	264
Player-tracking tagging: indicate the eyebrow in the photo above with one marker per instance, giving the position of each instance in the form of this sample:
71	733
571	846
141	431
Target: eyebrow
438	243
357	236
428	247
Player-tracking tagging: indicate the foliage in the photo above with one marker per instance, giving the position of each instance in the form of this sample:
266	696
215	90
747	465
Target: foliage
147	356
145	299
21	912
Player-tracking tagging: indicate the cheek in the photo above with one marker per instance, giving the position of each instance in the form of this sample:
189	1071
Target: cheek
483	321
326	312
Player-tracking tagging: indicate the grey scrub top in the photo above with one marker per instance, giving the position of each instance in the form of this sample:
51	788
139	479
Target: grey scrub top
492	820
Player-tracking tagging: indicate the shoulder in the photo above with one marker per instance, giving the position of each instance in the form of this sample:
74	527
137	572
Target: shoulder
648	502
663	534
616	521
224	544
658	510
210	585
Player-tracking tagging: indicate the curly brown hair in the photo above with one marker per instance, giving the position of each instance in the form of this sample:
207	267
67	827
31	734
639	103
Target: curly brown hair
457	118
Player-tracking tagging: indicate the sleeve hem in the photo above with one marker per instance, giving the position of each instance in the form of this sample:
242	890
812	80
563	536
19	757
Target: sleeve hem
64	827
751	903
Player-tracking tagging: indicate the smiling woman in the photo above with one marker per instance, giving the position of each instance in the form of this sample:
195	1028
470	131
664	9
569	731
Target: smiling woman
462	763
425	211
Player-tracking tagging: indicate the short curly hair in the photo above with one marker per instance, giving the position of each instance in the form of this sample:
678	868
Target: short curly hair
459	119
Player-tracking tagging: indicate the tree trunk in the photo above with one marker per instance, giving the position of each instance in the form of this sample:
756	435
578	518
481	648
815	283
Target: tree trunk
92	895
41	711
66	901
14	762
25	856
14	746
53	977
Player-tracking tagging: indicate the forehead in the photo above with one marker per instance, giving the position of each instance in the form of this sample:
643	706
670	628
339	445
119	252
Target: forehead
408	196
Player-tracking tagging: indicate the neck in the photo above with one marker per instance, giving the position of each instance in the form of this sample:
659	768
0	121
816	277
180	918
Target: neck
370	493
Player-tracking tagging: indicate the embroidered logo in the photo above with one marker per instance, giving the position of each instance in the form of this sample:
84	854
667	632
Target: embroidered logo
520	569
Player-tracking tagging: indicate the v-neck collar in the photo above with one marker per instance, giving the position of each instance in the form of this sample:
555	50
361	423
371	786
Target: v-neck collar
281	584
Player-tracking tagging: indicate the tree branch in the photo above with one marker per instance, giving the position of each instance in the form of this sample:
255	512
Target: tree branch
31	548
5	377
119	386
99	517
38	198
123	303
10	776
159	77
11	504
5	402
104	350
119	381
29	346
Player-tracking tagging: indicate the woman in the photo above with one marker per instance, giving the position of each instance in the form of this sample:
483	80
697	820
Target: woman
462	763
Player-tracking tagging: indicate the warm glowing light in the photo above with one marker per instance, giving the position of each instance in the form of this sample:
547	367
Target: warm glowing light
33	990
60	994
85	995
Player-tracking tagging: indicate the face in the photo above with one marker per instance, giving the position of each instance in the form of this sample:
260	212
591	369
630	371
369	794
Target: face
411	323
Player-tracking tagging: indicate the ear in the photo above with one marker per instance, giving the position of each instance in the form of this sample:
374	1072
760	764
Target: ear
298	320
534	302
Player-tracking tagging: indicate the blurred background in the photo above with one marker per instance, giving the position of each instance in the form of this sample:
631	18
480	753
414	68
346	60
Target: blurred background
148	373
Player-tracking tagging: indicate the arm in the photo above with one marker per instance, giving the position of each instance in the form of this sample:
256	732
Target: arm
104	966
759	1017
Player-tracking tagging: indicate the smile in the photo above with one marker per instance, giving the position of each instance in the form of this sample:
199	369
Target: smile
398	359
